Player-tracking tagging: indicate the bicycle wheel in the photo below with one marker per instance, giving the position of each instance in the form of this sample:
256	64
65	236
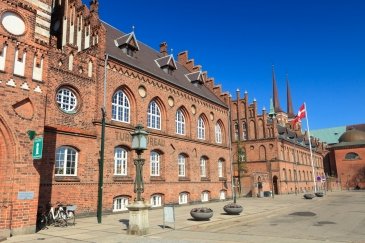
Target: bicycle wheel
71	218
42	222
62	219
50	219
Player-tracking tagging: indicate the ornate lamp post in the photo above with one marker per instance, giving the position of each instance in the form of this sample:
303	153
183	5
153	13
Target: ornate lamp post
138	210
139	143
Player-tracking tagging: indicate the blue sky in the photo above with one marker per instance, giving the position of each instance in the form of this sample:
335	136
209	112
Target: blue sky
320	44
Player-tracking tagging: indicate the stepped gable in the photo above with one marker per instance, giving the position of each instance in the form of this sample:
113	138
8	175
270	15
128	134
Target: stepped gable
144	60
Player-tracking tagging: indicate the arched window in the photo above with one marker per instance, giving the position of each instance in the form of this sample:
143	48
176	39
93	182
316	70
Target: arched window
222	195
290	178
352	156
201	128
156	200
285	175
236	131
205	196
218	133
183	198
120	161
220	168
66	161
120	204
155	163
120	107
262	153
181	163
244	131
180	122
203	167
154	116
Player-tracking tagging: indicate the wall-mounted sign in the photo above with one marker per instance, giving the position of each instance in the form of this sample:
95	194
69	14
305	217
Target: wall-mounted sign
37	148
25	195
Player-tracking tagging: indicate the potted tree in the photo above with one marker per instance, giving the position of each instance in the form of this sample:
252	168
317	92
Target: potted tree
233	208
202	213
309	196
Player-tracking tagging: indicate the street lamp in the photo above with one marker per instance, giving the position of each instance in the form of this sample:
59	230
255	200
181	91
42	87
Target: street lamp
138	210
139	143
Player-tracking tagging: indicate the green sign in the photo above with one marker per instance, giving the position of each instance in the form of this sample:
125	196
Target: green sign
37	148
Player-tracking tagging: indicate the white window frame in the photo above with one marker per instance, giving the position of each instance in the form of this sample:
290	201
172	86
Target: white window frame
120	107
181	160
62	154
205	196
155	161
66	99
156	200
180	122
201	128
222	195
183	198
218	133
120	204
154	116
203	167
120	161
220	168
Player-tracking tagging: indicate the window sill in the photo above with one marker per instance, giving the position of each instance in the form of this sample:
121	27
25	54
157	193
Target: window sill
184	179
157	178
122	178
222	179
67	179
204	179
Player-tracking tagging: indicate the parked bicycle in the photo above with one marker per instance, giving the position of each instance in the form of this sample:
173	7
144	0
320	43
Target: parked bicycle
62	215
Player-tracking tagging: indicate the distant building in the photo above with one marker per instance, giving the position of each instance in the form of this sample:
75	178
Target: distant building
269	154
345	160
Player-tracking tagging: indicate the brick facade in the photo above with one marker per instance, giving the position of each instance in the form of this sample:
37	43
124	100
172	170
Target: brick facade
70	48
277	157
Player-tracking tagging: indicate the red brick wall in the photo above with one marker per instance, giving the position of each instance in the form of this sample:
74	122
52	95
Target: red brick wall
349	171
21	110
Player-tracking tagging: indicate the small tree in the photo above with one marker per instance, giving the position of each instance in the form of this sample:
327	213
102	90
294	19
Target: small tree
241	164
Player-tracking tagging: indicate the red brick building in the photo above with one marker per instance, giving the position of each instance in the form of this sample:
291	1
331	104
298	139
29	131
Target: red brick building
59	66
268	153
347	158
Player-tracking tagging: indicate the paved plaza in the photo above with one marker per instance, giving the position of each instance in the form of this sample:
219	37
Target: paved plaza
337	217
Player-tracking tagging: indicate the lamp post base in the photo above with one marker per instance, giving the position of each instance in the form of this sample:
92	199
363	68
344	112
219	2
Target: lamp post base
138	218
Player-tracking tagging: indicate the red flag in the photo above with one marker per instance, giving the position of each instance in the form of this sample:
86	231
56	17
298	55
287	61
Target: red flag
301	114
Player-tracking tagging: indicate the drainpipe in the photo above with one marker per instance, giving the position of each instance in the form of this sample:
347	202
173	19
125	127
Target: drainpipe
101	161
230	153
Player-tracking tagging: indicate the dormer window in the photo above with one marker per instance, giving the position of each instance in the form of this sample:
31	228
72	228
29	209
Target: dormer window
167	64
128	43
195	77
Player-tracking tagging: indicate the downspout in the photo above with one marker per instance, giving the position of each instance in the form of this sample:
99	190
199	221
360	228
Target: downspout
230	153
101	162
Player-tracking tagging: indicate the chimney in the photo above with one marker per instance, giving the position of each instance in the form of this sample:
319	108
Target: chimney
182	57
163	48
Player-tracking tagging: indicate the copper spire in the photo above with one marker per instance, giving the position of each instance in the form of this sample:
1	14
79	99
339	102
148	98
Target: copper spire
275	93
289	105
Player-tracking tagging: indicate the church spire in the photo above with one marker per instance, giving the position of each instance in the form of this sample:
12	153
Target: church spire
277	107
289	105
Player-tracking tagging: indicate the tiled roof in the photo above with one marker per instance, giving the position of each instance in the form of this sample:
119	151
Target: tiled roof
329	135
144	60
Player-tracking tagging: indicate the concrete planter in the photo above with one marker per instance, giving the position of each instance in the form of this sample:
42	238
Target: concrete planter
233	209
201	213
309	196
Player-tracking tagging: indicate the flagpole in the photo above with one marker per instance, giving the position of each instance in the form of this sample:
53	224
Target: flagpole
310	147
